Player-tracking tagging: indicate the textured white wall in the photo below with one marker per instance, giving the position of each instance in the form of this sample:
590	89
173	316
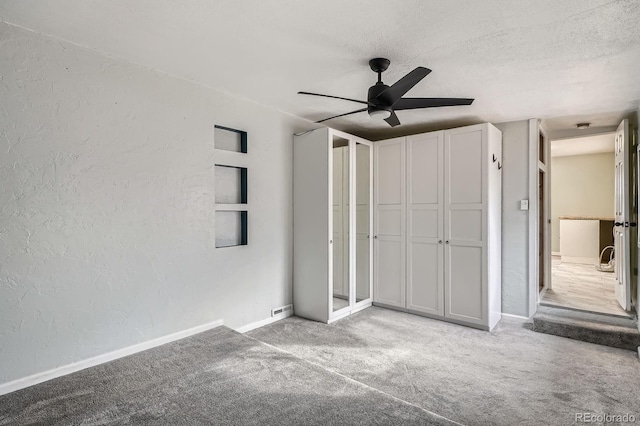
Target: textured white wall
107	206
515	222
581	185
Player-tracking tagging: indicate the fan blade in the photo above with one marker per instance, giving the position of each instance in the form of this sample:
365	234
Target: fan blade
416	103
393	120
342	115
402	86
334	97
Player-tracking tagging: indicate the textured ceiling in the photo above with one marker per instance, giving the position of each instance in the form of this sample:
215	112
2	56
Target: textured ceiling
519	59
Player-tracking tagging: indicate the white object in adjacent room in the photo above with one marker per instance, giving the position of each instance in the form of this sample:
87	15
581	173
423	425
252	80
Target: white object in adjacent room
580	241
438	224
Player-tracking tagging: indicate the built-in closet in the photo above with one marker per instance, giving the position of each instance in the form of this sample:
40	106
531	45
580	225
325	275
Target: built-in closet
432	203
438	224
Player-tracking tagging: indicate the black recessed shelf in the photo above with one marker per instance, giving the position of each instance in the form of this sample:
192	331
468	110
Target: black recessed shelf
231	215
231	184
229	139
231	228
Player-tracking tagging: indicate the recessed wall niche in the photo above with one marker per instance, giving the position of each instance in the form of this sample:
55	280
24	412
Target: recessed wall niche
231	228
229	139
231	184
231	197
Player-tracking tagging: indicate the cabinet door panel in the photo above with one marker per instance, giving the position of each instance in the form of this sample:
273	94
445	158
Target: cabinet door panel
389	242
425	253
390	272
464	162
390	222
425	278
465	271
465	225
425	222
390	170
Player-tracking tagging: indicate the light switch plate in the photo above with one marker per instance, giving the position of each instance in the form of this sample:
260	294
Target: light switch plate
524	204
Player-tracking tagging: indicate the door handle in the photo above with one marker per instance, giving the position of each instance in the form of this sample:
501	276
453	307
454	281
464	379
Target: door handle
618	224
439	241
633	224
447	242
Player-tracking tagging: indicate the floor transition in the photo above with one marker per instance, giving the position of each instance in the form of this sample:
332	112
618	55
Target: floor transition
374	367
581	286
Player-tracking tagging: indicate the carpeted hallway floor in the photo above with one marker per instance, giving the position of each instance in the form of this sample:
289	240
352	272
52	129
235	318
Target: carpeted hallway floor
219	377
375	367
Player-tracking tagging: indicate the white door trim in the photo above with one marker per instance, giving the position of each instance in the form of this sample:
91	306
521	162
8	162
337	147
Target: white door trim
533	216
365	302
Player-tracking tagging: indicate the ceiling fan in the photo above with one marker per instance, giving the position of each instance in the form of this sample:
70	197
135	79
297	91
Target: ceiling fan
383	101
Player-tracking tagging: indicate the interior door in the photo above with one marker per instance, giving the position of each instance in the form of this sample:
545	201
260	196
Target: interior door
425	220
389	237
621	240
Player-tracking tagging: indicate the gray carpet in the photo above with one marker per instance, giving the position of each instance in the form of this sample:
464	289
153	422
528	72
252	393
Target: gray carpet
507	377
217	377
615	331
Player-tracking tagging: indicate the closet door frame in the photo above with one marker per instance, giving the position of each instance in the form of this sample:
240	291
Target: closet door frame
365	303
353	306
331	314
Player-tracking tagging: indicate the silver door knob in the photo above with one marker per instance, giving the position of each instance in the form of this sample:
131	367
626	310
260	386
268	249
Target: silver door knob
439	241
447	241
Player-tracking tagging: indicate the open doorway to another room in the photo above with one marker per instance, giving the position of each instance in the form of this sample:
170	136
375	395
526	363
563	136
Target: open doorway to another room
582	199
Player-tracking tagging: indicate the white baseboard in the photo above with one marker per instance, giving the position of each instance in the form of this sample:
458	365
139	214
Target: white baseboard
34	379
264	322
555	253
515	317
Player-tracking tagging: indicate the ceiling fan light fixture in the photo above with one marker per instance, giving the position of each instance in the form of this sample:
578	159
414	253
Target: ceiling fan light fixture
379	114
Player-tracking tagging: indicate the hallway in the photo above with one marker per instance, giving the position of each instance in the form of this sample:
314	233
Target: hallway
581	286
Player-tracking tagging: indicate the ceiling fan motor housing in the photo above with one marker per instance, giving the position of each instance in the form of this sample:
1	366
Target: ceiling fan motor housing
376	104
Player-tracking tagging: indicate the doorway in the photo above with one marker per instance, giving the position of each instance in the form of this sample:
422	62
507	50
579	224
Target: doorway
583	204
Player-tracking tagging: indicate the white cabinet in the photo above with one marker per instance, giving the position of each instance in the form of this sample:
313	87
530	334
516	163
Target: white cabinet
332	193
438	224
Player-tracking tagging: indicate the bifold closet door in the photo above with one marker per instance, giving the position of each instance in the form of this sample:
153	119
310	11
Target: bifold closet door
425	216
465	231
389	239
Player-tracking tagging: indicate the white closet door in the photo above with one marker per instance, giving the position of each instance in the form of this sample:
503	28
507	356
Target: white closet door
363	221
465	248
389	240
340	224
425	208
